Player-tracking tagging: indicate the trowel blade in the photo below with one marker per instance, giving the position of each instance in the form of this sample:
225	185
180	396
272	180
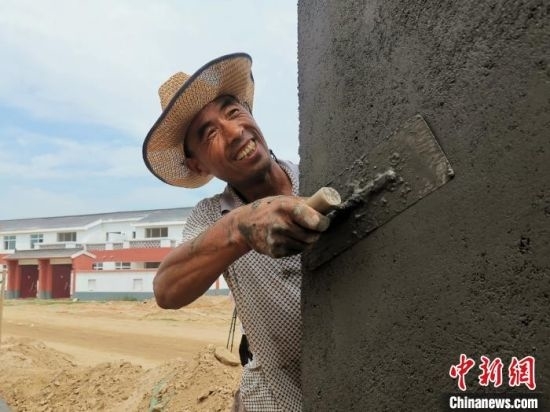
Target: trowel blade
421	168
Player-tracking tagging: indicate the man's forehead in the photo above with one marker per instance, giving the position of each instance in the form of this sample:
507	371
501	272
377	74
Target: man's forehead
218	104
222	101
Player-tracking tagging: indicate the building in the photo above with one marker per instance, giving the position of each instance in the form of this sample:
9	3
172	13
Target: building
98	256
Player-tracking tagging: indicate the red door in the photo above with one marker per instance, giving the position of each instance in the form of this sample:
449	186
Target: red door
61	281
29	281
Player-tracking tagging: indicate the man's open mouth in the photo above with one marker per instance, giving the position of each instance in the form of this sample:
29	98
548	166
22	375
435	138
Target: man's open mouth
247	150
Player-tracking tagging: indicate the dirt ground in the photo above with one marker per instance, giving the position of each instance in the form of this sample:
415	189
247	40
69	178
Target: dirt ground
116	356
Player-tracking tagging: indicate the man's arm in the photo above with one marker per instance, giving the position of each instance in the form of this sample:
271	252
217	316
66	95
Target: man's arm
275	226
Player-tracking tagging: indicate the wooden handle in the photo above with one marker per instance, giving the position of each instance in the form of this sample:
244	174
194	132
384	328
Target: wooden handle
324	200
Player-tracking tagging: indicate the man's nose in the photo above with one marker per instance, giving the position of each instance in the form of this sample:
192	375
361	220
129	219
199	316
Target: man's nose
232	130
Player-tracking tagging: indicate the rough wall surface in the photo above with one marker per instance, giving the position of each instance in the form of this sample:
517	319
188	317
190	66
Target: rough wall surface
465	270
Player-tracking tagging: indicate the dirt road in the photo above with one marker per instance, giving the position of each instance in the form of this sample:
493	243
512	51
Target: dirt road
64	355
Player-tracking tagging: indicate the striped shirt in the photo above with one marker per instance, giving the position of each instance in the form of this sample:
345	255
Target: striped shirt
267	297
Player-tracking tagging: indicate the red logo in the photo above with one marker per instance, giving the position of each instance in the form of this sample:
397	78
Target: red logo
459	371
491	372
520	372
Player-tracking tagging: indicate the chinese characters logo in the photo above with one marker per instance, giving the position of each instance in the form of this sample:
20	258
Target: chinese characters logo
520	371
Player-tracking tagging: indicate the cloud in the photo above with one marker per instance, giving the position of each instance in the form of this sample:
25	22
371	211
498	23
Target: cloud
102	61
151	196
98	198
83	79
52	203
30	155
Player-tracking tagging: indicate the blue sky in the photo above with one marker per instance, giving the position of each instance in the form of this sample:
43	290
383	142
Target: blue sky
78	94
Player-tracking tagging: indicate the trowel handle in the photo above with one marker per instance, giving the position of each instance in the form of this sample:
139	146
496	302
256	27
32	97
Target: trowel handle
324	200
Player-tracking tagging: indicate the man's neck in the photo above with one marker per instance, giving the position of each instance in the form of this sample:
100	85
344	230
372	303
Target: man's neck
273	182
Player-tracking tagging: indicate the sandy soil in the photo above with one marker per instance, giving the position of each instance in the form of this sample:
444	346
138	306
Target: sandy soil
116	356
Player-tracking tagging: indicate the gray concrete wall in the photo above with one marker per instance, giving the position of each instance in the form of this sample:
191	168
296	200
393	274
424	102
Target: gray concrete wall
465	270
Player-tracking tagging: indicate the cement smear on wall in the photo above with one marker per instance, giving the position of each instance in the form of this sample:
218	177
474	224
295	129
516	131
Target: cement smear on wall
465	270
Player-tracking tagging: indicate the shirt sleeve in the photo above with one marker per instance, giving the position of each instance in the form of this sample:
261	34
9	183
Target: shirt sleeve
203	215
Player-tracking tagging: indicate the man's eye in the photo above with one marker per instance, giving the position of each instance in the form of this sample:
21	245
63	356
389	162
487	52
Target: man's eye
232	112
209	133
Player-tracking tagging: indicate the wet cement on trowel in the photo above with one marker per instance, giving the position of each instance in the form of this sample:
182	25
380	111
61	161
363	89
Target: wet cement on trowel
464	270
381	184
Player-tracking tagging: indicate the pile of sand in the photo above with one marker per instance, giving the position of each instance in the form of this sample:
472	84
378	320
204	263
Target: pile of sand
34	377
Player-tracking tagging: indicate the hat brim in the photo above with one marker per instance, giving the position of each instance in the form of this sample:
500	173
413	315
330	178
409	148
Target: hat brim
163	147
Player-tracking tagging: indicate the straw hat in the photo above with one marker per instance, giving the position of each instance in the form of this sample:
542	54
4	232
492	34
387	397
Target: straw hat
181	98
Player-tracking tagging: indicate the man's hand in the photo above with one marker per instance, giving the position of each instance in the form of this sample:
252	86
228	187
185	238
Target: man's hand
280	226
275	226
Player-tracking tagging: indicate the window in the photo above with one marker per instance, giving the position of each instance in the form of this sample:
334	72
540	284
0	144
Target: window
113	236
91	285
36	238
152	265
122	265
156	232
138	285
97	266
9	242
66	237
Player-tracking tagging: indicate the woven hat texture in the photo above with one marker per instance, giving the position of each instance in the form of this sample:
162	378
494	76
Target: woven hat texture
181	98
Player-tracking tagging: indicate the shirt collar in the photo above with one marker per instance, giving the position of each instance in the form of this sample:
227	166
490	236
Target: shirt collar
229	199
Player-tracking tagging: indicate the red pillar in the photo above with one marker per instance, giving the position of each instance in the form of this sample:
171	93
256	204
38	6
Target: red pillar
49	280
13	280
44	273
73	281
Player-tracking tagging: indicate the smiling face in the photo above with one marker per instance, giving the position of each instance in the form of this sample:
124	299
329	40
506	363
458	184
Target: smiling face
224	140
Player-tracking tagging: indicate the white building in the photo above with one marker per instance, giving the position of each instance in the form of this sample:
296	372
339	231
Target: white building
98	256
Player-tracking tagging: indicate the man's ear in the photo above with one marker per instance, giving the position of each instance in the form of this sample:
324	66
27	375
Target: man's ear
195	166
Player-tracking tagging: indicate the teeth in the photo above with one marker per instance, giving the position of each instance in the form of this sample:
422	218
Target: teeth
249	148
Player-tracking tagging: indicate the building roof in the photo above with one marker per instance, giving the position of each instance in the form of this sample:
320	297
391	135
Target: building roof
166	215
81	221
46	253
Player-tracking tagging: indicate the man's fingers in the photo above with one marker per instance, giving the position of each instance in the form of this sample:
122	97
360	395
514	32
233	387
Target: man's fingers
324	223
289	247
297	233
310	219
281	227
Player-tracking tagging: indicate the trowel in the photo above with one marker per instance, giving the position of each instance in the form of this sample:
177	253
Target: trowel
403	169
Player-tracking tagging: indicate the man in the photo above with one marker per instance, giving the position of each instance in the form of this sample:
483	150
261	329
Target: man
253	232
